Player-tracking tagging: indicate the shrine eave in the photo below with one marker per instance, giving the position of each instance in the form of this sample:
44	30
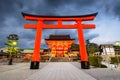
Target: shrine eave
52	16
59	39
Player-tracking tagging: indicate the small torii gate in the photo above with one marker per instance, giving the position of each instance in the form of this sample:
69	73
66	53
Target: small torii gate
40	25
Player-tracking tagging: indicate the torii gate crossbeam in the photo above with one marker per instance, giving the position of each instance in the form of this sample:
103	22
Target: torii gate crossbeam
40	25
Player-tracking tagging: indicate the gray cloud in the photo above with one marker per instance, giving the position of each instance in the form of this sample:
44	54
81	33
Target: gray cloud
116	8
56	3
11	10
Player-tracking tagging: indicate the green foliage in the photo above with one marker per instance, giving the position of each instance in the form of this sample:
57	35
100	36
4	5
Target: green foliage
117	47
95	61
115	60
78	56
75	46
13	37
12	51
92	48
44	59
12	42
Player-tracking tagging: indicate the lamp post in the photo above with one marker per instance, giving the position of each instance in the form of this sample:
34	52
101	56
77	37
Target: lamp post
117	43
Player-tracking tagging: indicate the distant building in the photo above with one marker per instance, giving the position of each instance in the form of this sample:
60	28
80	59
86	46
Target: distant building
29	52
3	50
117	50
107	49
59	45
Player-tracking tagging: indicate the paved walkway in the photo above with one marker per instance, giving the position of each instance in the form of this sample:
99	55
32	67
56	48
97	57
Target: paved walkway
56	71
17	71
60	71
101	73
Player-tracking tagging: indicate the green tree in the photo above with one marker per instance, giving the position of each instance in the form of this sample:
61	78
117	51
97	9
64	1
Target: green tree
75	46
96	61
115	60
92	48
12	43
117	47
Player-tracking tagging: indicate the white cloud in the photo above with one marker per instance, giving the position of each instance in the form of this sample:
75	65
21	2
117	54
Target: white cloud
108	30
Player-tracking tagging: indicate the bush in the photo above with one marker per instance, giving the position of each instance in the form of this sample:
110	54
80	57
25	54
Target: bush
115	60
43	59
95	61
103	66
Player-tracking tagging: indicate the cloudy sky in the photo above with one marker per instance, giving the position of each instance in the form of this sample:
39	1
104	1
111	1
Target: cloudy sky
107	21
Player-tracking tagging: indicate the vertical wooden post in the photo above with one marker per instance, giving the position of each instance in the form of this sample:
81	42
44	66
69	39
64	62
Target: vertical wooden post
82	46
36	54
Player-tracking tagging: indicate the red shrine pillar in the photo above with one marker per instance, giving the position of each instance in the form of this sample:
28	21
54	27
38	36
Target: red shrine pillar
82	46
36	55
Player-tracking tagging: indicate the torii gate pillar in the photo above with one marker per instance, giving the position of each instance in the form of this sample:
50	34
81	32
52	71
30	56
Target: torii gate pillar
40	25
84	58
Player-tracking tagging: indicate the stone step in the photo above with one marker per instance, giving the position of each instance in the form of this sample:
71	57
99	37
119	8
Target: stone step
59	59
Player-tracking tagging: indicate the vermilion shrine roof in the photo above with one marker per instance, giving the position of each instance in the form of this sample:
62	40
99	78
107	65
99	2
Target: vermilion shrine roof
59	37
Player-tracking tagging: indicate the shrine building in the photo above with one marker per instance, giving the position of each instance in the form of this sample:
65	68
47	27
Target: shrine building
59	45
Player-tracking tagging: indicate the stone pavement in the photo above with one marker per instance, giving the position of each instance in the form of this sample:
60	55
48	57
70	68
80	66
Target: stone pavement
56	71
47	71
60	71
101	73
104	73
17	71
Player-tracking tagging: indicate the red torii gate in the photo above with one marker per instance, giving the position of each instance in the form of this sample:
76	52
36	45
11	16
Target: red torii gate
40	25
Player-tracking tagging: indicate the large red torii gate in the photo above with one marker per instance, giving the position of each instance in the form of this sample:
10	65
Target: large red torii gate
40	25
